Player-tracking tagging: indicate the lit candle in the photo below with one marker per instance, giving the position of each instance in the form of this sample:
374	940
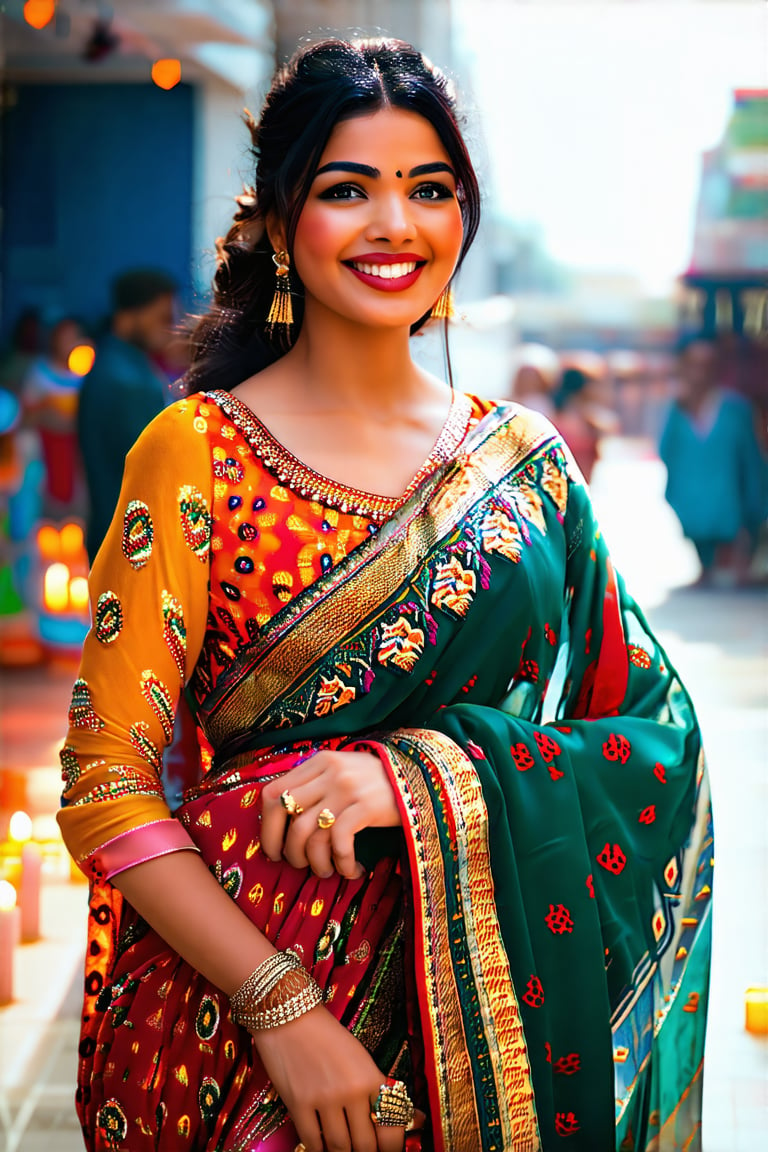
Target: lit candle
56	588
29	892
78	595
10	932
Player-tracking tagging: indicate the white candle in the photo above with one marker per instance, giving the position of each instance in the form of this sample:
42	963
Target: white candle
29	892
10	933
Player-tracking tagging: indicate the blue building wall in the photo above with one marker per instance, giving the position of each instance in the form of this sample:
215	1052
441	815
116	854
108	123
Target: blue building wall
95	178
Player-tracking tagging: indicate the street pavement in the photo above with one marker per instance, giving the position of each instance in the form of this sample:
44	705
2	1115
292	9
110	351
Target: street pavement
718	640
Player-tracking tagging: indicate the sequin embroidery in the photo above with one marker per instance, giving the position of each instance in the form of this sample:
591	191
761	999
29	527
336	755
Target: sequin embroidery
159	699
108	618
195	520
138	534
70	767
144	746
174	630
81	712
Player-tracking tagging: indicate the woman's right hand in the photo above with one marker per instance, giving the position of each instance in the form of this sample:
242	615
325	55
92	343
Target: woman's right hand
328	1082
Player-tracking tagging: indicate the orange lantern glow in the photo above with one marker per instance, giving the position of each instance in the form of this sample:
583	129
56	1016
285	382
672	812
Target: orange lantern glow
71	541
166	73
38	13
81	359
48	542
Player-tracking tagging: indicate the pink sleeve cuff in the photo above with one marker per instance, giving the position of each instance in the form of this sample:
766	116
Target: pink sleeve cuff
138	845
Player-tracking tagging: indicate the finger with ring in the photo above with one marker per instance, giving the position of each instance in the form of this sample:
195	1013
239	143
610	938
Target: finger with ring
326	819
290	804
393	1105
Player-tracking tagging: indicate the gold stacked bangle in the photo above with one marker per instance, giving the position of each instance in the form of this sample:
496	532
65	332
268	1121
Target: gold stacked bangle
278	991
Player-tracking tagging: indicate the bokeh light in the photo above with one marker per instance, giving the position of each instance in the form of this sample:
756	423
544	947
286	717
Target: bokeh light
38	13
78	594
81	359
56	588
71	540
166	73
20	827
7	896
48	541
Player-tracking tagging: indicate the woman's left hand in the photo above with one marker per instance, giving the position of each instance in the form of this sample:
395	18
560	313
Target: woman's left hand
352	786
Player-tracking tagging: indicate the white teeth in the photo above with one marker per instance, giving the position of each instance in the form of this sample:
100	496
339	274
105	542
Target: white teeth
387	271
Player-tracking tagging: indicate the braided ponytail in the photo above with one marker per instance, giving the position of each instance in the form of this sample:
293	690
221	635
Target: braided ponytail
319	86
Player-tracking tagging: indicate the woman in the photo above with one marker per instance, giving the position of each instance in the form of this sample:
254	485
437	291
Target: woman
721	508
365	583
50	394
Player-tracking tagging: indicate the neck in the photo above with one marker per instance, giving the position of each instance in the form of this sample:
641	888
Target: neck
341	364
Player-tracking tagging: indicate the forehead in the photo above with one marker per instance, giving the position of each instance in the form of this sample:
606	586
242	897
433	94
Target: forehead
388	135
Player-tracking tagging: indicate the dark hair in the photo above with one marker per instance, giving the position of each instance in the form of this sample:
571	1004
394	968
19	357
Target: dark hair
321	85
572	381
138	287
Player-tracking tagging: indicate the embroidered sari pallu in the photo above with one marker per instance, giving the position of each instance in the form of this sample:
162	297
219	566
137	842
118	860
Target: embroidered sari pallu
557	873
531	951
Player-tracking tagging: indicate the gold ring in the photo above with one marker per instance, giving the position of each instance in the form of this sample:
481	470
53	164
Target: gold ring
393	1107
326	819
290	805
299	1148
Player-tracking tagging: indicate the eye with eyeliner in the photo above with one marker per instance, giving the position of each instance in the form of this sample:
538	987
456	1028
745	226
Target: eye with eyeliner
342	192
431	190
435	191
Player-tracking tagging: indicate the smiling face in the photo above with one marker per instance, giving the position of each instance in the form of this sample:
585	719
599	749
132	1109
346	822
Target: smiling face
380	234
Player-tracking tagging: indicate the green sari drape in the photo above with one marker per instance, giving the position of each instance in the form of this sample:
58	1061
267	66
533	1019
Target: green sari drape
547	761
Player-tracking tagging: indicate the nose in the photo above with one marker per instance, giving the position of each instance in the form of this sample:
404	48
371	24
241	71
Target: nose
391	219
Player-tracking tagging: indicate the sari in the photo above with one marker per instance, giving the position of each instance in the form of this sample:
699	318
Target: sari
530	951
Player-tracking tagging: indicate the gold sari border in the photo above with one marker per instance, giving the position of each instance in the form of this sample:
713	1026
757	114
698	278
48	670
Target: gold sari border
455	782
287	653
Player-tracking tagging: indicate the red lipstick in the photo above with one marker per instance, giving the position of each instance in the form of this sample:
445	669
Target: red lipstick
386	259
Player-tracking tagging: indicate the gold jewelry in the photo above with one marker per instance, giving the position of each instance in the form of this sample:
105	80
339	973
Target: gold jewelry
280	317
297	993
290	805
257	1005
443	307
393	1105
300	1148
326	819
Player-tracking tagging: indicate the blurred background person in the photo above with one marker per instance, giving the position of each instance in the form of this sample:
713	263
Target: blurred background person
125	389
716	472
50	393
581	416
534	377
23	346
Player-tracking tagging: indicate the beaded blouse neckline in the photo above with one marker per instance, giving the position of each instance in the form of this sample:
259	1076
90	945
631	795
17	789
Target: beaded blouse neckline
300	478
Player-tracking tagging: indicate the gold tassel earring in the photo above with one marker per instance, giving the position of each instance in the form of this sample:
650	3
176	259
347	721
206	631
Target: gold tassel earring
280	316
443	308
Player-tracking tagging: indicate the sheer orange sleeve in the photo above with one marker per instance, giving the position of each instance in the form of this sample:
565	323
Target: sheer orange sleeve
149	605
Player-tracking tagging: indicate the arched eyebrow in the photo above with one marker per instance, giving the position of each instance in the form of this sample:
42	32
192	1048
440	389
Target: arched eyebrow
430	169
349	166
374	173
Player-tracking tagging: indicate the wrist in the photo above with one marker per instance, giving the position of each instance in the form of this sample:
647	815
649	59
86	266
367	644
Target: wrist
277	992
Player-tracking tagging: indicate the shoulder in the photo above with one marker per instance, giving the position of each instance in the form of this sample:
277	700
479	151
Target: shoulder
524	423
180	432
737	404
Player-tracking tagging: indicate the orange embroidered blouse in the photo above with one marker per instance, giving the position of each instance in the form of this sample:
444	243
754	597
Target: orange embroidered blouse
217	527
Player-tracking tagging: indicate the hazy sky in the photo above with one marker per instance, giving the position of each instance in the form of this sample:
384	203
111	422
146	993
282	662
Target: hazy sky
595	115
